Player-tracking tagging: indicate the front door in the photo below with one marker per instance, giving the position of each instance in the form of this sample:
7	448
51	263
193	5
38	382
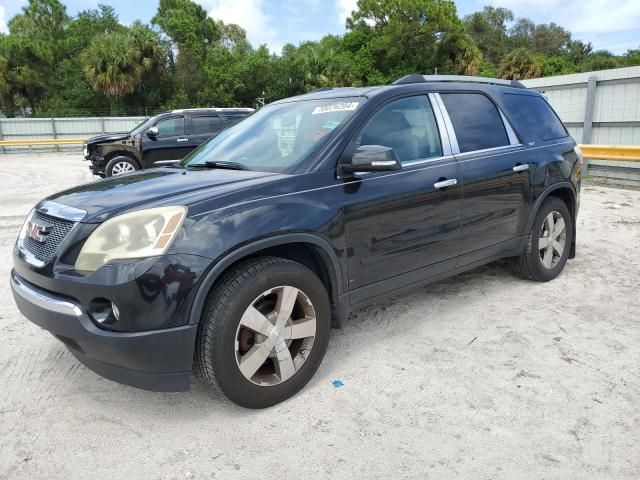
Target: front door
171	143
403	226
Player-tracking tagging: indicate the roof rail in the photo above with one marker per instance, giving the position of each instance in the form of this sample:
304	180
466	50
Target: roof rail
321	89
213	109
417	78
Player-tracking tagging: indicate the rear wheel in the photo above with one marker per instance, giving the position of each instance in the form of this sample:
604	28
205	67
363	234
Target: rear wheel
549	242
120	165
264	331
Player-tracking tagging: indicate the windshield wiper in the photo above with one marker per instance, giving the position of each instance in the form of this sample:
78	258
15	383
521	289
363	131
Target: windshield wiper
224	165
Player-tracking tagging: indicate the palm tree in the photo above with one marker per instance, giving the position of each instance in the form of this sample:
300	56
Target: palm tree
116	63
112	66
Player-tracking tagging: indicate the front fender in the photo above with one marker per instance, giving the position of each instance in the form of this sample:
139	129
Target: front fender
218	267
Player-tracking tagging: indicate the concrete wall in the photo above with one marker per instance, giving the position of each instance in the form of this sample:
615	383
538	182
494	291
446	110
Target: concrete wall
600	107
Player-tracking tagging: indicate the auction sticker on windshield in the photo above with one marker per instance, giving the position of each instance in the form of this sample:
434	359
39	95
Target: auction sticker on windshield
336	107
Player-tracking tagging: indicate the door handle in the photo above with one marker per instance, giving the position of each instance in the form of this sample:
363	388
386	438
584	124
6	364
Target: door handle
521	168
446	183
183	140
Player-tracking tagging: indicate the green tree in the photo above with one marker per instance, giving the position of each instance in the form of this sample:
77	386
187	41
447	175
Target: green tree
403	36
550	39
118	63
557	65
33	49
631	57
489	30
600	60
458	54
192	33
520	64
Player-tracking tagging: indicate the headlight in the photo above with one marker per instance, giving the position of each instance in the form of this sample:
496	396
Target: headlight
140	234
85	149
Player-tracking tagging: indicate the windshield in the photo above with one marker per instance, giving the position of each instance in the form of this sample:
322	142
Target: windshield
277	138
141	126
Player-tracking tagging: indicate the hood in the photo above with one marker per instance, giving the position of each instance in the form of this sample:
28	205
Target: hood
109	137
105	198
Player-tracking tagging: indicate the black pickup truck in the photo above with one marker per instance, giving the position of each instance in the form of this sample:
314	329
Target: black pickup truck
158	140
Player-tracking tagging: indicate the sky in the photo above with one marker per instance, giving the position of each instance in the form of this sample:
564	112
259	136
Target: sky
612	25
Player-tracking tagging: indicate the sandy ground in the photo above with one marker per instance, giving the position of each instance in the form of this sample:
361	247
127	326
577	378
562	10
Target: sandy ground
483	376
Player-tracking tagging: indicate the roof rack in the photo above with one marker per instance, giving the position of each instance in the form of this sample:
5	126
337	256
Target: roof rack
417	78
321	89
213	109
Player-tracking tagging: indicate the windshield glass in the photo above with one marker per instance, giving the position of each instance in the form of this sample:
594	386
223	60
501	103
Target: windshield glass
141	126
277	138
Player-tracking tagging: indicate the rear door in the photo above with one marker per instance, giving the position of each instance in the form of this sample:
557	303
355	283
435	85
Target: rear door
497	186
203	127
403	226
170	144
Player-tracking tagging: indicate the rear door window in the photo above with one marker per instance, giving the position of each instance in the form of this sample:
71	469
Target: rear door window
476	121
232	119
205	125
533	113
408	126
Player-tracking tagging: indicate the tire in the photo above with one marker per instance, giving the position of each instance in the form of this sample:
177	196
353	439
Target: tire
225	342
540	262
120	165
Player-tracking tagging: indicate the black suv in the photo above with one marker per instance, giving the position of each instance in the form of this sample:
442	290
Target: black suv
241	258
159	140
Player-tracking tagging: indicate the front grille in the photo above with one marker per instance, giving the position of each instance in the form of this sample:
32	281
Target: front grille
60	228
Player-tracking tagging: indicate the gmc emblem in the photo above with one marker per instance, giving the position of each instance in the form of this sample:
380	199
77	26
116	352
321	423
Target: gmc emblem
37	232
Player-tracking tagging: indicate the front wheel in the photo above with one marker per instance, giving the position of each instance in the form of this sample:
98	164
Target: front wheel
549	242
264	331
120	166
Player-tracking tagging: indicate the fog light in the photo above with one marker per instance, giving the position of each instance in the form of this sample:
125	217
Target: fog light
116	312
104	311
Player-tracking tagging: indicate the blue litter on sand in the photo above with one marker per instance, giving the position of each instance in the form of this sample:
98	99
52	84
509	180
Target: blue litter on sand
337	383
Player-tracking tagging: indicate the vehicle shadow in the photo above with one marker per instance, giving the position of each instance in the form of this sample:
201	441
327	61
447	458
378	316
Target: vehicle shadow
376	323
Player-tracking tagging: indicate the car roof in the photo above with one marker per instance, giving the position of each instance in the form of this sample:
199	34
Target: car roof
412	83
337	92
213	109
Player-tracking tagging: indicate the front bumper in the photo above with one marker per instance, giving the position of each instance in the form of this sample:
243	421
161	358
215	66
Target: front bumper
159	360
97	164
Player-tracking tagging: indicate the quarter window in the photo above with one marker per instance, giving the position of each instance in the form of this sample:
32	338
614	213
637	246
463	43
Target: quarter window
476	121
205	125
171	127
406	125
534	113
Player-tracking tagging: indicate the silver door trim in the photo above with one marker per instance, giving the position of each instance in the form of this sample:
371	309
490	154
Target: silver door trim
442	127
455	148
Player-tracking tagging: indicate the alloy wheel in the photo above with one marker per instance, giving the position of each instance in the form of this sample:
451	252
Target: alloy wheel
275	336
553	238
122	167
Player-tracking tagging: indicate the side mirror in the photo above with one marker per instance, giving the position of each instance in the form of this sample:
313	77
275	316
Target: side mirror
373	158
152	132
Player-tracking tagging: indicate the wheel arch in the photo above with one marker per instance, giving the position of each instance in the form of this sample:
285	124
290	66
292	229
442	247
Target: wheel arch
566	192
122	153
310	250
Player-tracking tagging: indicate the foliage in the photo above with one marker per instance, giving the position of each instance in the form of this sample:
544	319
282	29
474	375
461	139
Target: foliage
55	65
117	63
520	64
